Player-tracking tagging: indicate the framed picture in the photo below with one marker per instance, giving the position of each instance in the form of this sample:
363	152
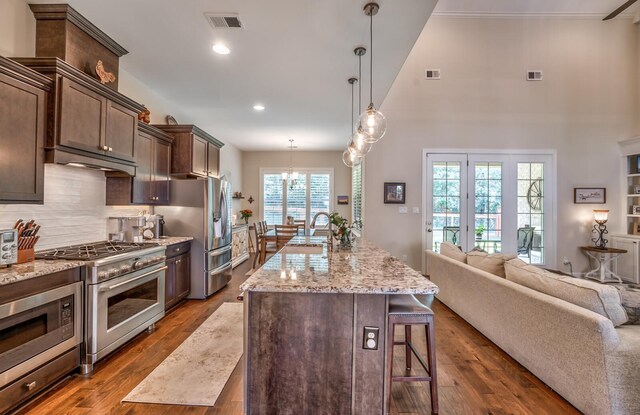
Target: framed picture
343	200
635	228
635	210
587	195
394	193
636	189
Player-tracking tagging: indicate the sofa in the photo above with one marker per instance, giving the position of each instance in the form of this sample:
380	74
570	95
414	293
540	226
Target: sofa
574	350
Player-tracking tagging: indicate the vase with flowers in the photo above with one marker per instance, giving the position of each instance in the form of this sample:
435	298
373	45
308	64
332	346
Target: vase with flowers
246	214
342	230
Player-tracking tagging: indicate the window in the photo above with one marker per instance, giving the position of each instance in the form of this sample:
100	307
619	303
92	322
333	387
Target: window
356	193
311	193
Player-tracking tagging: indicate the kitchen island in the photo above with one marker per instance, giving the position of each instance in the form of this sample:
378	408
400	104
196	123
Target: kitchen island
306	311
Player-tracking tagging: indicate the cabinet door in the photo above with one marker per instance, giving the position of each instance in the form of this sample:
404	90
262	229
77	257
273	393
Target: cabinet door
143	182
626	265
199	156
82	118
161	172
213	160
22	127
170	284
121	131
183	276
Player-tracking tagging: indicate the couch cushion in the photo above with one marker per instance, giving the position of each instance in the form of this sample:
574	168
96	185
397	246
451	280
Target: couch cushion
492	263
450	250
599	298
630	300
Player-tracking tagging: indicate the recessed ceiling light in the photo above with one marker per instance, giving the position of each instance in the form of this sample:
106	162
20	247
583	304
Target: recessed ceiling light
221	49
258	107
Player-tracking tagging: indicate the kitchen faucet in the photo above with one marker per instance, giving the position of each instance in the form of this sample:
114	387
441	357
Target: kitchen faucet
330	237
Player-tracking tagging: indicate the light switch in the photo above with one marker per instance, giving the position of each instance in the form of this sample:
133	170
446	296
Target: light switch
402	209
371	338
416	209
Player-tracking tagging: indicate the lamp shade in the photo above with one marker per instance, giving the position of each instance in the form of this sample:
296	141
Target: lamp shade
600	216
350	159
358	145
372	124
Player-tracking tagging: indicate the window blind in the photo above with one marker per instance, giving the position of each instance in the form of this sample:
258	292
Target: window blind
356	192
297	198
320	196
272	197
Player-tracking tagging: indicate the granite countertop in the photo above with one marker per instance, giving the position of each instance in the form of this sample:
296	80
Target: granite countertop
364	269
37	268
170	240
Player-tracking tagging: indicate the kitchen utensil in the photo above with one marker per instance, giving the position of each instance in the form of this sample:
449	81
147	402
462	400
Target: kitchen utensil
18	223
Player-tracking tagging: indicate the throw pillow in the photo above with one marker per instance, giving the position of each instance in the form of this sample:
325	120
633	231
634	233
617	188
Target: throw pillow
492	263
450	250
630	300
599	298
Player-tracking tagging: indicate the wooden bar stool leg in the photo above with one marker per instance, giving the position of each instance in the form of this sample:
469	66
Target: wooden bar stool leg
407	348
390	340
431	355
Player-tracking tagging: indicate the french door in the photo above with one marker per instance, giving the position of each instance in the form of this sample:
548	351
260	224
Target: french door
493	202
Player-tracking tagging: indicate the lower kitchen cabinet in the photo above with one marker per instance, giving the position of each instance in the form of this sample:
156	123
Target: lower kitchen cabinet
239	244
178	277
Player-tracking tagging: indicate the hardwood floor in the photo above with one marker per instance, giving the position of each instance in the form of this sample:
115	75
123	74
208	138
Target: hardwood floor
475	377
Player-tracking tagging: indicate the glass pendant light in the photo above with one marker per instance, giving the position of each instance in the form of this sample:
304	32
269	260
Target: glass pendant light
371	123
350	159
357	143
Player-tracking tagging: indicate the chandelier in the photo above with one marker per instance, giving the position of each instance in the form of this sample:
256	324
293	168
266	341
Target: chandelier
290	176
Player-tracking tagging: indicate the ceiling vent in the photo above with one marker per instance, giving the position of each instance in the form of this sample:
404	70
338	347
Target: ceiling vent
534	75
224	20
432	74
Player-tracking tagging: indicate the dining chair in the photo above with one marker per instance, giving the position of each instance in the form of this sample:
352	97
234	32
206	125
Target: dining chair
302	225
284	233
265	227
262	249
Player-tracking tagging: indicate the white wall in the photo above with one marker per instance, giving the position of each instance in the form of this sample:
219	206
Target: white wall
74	208
586	103
252	161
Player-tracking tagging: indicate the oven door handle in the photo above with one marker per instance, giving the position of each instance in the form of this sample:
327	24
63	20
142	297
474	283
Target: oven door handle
220	251
113	287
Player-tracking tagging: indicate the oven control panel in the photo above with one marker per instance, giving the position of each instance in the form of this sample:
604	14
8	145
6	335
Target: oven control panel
125	266
66	317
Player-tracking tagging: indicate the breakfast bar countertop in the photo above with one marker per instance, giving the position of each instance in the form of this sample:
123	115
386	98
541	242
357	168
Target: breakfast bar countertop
37	268
363	269
170	240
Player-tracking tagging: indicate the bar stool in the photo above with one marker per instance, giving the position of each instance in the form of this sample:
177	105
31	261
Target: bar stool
407	310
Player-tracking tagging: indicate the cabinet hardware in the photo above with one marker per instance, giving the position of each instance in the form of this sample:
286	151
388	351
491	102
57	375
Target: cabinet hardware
110	148
30	386
103	148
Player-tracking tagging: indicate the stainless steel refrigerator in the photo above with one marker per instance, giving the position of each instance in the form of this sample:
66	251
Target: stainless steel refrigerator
202	209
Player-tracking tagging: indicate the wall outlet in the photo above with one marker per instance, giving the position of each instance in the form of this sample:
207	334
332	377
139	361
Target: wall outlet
403	209
371	338
416	210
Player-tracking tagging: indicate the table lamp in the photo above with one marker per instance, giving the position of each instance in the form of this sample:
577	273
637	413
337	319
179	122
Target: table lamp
600	229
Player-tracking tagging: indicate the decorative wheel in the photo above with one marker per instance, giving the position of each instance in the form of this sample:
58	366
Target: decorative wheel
534	195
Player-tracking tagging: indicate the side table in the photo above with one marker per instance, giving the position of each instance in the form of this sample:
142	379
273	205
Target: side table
604	257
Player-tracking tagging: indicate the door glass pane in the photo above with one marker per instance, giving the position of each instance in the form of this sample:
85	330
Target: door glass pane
272	196
488	206
128	304
446	203
530	230
297	198
319	193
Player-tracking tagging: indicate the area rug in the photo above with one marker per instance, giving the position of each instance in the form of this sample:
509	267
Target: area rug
196	372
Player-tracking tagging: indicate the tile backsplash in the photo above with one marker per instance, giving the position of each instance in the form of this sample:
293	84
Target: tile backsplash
74	210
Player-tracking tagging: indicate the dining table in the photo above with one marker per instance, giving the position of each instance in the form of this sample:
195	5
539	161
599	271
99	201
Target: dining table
270	236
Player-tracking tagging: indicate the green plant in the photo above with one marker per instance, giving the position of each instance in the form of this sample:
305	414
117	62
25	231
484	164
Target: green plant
343	231
480	229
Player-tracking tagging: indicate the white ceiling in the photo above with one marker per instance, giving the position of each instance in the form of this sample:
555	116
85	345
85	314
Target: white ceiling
293	56
524	7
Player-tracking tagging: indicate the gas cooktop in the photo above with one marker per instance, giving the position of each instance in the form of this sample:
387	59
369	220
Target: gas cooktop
92	251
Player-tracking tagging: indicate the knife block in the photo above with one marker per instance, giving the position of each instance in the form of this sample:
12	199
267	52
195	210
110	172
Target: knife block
26	255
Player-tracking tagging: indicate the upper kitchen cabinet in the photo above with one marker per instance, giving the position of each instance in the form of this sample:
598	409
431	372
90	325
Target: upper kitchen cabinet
89	123
23	106
150	186
194	153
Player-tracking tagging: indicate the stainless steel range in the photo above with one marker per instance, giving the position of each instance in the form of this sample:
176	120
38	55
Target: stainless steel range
124	292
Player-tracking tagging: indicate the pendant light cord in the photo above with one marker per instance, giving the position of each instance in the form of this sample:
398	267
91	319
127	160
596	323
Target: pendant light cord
371	59
359	84
352	130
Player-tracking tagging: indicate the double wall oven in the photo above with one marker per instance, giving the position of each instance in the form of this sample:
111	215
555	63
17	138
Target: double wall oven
124	293
40	334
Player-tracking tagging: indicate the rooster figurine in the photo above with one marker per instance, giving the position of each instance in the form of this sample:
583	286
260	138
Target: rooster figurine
104	76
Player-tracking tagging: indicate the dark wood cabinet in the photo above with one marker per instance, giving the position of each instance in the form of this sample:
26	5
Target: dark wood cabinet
178	276
88	123
23	106
150	185
194	153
